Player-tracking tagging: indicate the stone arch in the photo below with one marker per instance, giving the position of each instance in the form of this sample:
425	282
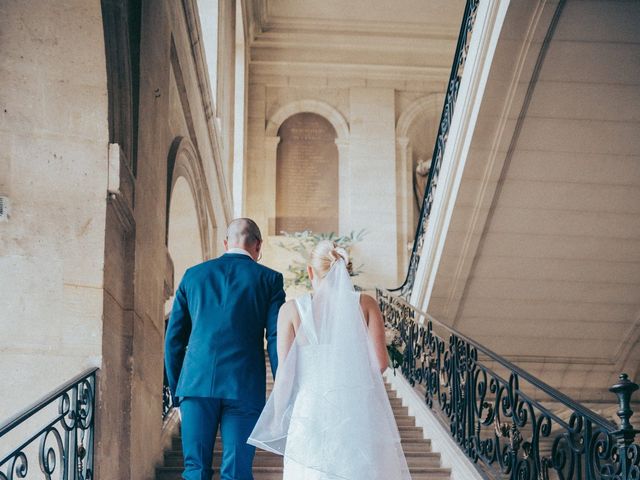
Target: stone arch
404	157
271	139
430	102
183	162
313	106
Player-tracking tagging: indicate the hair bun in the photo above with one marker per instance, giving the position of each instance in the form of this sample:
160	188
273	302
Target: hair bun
325	255
339	253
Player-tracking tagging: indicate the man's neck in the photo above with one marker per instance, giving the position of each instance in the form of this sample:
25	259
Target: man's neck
239	250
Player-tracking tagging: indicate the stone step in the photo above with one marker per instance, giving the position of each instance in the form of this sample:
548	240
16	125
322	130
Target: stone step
406	432
174	473
173	458
275	473
409	438
423	463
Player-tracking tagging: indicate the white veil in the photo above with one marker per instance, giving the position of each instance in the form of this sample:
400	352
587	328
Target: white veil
329	410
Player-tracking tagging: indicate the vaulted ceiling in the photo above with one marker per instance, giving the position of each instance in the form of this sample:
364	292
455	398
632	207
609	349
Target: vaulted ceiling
412	38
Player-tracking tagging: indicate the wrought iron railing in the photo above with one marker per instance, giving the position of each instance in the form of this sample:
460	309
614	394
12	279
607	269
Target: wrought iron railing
500	415
451	96
64	433
167	398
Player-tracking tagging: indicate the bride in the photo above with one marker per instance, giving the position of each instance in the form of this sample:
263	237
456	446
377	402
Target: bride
329	414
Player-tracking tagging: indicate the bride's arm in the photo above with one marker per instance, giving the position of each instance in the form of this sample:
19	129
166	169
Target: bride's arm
286	332
373	315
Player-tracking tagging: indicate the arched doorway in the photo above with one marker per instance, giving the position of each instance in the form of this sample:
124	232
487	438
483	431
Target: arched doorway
183	239
189	226
307	176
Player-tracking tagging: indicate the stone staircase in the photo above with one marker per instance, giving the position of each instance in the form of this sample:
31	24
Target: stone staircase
423	463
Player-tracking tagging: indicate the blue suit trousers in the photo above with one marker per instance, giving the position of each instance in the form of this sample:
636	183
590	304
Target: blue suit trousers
201	418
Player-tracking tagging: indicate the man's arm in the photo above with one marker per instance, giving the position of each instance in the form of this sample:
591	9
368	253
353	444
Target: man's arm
176	339
277	299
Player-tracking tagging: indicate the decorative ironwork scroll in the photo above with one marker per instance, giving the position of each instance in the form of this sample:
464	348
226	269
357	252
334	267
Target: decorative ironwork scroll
453	87
167	398
62	445
499	414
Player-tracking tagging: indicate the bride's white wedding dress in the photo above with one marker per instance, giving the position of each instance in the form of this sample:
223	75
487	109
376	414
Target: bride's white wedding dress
329	414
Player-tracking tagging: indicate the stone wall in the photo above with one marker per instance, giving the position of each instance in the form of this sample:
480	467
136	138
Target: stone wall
84	260
53	169
177	140
373	182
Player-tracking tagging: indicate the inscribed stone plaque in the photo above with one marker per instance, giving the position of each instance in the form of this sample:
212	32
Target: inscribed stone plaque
307	175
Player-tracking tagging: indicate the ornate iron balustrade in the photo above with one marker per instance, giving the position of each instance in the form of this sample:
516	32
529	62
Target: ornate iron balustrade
453	87
498	413
64	445
167	398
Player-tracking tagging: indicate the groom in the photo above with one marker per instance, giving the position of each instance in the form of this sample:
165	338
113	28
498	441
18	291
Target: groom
214	352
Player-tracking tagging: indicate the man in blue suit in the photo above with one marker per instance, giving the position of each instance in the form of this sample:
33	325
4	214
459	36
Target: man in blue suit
214	352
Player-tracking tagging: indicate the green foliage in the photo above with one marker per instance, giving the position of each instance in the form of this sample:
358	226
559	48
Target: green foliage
300	245
395	356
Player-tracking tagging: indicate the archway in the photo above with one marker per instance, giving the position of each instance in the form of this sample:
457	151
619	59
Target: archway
307	184
183	162
183	240
272	140
189	229
188	232
416	131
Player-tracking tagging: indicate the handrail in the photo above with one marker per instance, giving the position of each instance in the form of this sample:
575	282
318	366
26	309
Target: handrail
168	402
66	437
47	399
462	47
498	424
523	374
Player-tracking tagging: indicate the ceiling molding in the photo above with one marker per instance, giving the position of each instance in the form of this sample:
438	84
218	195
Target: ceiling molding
439	47
337	70
387	29
265	22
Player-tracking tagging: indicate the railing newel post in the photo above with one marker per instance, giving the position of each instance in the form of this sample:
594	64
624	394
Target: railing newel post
628	452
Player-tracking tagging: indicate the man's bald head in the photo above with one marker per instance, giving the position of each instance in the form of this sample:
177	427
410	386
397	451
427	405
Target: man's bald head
244	233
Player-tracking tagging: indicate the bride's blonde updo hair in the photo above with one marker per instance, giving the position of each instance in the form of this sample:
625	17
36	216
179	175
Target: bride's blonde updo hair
325	254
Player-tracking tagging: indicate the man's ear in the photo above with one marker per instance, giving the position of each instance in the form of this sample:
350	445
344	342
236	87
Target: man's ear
226	244
310	272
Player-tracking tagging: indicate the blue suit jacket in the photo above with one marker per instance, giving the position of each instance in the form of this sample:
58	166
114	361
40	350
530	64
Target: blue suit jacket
214	345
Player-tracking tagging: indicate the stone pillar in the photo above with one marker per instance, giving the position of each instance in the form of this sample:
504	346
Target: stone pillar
406	209
226	80
269	182
344	179
372	191
256	162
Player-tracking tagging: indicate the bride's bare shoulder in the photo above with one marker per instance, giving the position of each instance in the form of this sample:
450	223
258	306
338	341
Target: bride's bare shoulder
367	301
289	311
288	317
288	307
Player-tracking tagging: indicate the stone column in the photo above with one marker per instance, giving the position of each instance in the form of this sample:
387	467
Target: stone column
344	179
406	210
372	190
269	191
